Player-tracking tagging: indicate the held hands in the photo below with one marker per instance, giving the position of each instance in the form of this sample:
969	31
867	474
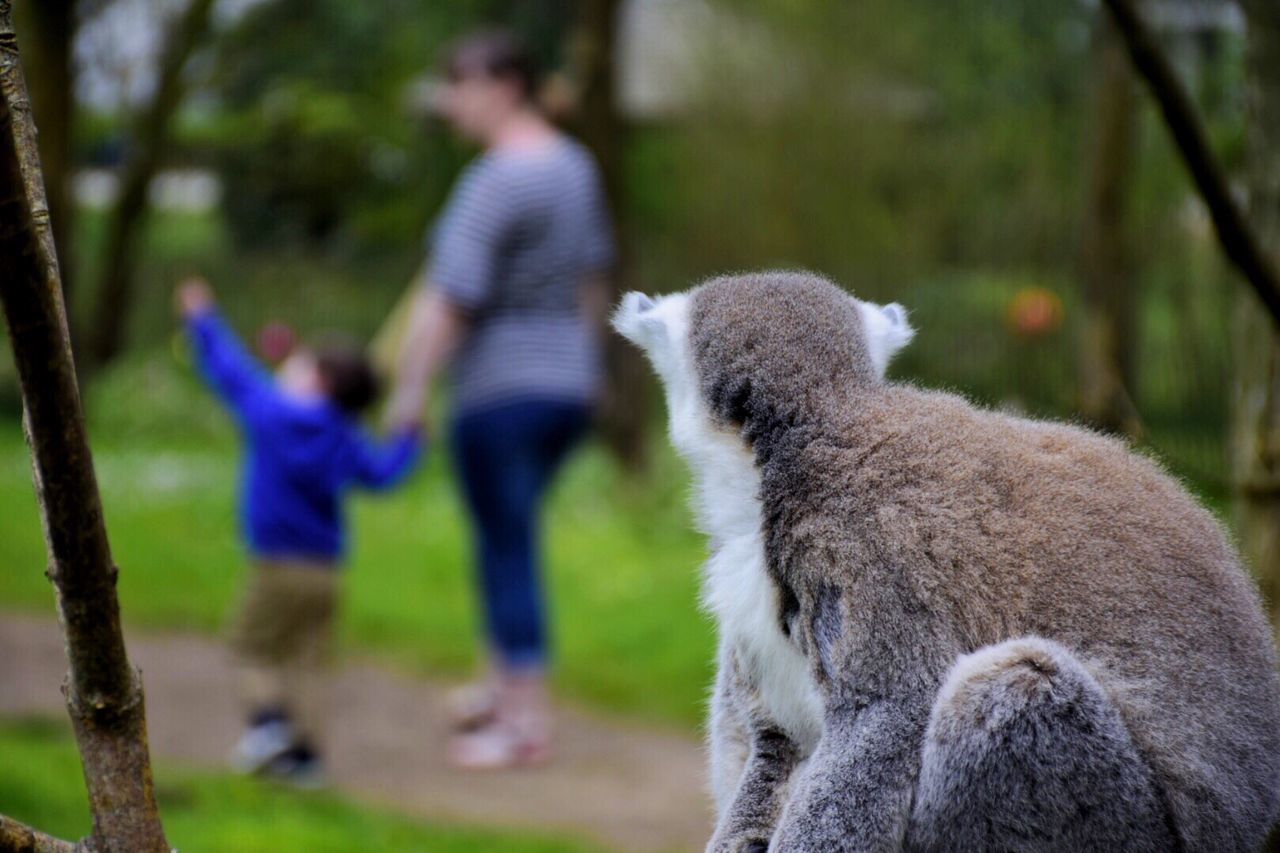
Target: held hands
193	297
405	409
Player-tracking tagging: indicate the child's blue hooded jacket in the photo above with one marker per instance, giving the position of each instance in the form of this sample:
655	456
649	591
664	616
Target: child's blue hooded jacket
300	456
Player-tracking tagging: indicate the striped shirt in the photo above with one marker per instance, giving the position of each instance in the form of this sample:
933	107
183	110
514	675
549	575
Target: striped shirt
520	234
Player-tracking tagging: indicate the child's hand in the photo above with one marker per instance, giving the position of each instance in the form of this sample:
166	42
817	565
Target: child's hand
193	297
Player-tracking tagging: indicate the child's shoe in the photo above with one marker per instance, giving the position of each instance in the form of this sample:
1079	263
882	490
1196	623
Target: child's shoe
299	766
261	744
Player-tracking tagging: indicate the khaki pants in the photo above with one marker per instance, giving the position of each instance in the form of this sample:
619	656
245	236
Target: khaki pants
283	641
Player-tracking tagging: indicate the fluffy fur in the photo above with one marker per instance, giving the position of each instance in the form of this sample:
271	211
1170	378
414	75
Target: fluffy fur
946	628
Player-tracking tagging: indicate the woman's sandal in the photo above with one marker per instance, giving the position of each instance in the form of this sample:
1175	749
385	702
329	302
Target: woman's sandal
498	747
472	706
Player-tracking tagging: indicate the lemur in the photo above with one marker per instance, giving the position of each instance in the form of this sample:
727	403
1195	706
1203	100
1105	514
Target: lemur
942	627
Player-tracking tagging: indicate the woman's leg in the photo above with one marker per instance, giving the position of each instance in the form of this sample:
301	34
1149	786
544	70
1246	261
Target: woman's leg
506	459
497	466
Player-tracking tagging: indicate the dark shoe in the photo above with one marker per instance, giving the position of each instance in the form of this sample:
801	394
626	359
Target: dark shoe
298	766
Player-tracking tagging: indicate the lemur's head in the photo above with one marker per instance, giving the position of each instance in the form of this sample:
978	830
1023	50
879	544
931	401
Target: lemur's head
763	351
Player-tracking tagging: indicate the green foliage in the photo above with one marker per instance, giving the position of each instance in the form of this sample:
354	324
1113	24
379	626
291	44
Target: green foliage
203	811
313	127
881	142
316	137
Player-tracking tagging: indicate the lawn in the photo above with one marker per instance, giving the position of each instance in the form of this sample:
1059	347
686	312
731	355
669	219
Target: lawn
42	786
622	560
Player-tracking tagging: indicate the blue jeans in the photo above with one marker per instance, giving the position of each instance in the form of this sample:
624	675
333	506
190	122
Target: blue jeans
506	458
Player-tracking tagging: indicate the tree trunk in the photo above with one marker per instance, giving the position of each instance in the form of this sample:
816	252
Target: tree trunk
48	29
1256	414
147	144
103	692
1106	372
624	408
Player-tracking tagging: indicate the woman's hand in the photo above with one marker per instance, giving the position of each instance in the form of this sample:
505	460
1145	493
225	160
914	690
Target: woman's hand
406	408
435	329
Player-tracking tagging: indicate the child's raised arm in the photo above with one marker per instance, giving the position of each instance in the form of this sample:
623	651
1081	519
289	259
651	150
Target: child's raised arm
222	359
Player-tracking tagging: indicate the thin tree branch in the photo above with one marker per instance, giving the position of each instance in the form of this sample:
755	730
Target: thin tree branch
104	693
19	838
1238	239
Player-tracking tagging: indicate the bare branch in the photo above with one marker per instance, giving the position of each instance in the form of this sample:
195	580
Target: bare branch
104	694
1234	232
19	838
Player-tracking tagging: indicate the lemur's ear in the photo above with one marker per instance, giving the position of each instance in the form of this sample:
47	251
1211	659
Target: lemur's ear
887	331
636	319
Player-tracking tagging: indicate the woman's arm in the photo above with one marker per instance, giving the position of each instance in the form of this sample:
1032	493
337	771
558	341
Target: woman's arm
594	300
436	327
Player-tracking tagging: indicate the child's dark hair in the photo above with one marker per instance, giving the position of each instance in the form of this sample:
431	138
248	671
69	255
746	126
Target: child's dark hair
496	54
348	376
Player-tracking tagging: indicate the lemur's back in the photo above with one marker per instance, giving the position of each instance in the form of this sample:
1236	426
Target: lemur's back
1018	527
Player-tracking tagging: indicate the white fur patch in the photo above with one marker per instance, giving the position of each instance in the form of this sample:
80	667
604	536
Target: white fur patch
737	589
887	331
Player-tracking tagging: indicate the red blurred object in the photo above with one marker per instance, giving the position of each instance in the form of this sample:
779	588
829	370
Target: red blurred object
1033	312
275	341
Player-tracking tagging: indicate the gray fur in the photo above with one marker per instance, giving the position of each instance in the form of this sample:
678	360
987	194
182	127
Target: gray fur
1026	752
1024	636
766	756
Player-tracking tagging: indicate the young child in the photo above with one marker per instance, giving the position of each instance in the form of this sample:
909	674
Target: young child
304	449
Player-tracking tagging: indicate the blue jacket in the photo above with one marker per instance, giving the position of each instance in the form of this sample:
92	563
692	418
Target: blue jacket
300	456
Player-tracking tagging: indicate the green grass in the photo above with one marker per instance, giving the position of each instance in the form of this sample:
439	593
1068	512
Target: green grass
42	786
622	561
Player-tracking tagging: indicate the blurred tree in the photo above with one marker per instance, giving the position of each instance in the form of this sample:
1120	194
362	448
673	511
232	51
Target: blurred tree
1110	288
317	142
48	28
103	691
146	149
1257	400
624	410
882	142
1256	413
1238	238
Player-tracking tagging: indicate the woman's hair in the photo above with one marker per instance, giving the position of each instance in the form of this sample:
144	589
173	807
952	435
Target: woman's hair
496	54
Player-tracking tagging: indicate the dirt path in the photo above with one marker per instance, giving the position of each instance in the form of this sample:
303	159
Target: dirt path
627	788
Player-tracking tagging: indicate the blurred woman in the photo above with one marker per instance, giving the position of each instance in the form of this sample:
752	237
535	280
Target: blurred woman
512	301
